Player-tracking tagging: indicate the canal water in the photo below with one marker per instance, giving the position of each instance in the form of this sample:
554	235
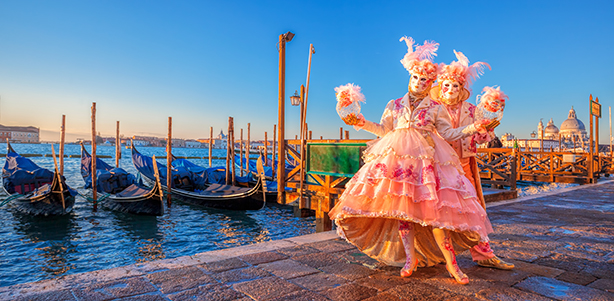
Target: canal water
37	248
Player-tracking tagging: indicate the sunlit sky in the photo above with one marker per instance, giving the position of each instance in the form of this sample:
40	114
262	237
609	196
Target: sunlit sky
203	61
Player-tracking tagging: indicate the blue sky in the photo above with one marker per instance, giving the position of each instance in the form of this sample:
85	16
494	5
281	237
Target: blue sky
203	61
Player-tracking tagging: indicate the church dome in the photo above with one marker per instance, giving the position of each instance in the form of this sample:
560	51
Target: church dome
572	124
551	128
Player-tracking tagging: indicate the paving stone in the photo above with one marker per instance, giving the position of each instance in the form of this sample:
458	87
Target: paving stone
114	289
560	290
319	281
62	295
577	278
536	269
603	284
224	265
599	269
562	262
503	277
238	275
348	271
266	288
297	251
419	291
350	292
331	246
288	269
316	260
383	281
258	258
301	296
509	294
148	297
386	296
215	292
443	281
353	256
180	279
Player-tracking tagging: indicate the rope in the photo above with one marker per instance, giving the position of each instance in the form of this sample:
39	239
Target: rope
10	198
104	196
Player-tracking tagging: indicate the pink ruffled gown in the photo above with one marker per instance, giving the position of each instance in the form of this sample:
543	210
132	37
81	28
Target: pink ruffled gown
411	174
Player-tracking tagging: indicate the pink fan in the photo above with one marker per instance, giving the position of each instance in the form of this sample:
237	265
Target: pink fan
490	104
348	101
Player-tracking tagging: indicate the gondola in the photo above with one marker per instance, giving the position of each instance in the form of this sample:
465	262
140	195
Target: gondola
270	183
125	193
35	190
186	190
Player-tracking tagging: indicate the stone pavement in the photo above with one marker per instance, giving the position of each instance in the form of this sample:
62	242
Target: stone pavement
562	244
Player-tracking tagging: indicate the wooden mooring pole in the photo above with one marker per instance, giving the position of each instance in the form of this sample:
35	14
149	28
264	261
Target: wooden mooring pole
232	151
228	153
118	146
210	146
241	152
62	140
247	146
274	150
169	161
94	188
266	149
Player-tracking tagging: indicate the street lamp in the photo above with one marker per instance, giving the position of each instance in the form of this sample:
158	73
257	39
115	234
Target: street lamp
296	99
533	134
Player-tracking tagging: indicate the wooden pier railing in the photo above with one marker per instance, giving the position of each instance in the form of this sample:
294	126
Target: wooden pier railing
500	167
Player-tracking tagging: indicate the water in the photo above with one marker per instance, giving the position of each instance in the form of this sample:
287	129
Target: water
37	248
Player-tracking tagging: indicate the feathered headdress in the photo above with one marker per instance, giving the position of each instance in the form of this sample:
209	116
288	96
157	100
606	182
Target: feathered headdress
460	70
419	61
493	93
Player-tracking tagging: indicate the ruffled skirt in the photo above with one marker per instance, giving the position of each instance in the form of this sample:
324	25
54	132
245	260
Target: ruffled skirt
405	178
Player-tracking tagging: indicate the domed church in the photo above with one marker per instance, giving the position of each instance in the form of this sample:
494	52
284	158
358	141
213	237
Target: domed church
573	127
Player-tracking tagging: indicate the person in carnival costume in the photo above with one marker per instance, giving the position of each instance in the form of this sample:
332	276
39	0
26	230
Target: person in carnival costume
454	79
410	205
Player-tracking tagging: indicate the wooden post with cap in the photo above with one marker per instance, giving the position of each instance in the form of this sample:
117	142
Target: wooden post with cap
169	161
281	121
94	188
62	135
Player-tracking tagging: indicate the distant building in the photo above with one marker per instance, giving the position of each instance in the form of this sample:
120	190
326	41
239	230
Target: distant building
193	144
20	134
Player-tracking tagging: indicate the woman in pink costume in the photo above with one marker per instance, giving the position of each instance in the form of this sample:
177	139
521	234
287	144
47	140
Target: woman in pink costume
462	113
410	204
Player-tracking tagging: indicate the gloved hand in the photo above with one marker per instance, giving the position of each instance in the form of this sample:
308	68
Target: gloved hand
354	120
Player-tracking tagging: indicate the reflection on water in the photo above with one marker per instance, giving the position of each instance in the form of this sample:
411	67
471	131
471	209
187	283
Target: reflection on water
51	237
33	249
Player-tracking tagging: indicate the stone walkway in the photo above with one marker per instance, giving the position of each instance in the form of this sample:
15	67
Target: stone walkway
562	244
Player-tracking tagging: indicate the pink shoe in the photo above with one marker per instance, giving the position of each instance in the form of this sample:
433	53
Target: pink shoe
406	271
458	275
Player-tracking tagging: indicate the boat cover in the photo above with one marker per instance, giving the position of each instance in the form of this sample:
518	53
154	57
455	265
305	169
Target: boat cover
21	175
132	191
108	179
192	176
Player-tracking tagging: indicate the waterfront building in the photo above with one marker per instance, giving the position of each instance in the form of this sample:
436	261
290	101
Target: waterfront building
193	144
20	134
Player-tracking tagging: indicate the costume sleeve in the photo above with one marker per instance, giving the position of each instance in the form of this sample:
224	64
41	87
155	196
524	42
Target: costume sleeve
386	123
483	137
445	129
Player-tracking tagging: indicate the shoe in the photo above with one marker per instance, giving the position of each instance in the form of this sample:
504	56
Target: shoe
407	271
496	263
458	275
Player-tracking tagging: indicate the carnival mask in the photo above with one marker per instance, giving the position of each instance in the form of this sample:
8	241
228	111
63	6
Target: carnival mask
450	89
419	83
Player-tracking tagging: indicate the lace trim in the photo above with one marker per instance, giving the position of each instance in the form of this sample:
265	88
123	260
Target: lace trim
368	157
375	181
402	216
426	198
